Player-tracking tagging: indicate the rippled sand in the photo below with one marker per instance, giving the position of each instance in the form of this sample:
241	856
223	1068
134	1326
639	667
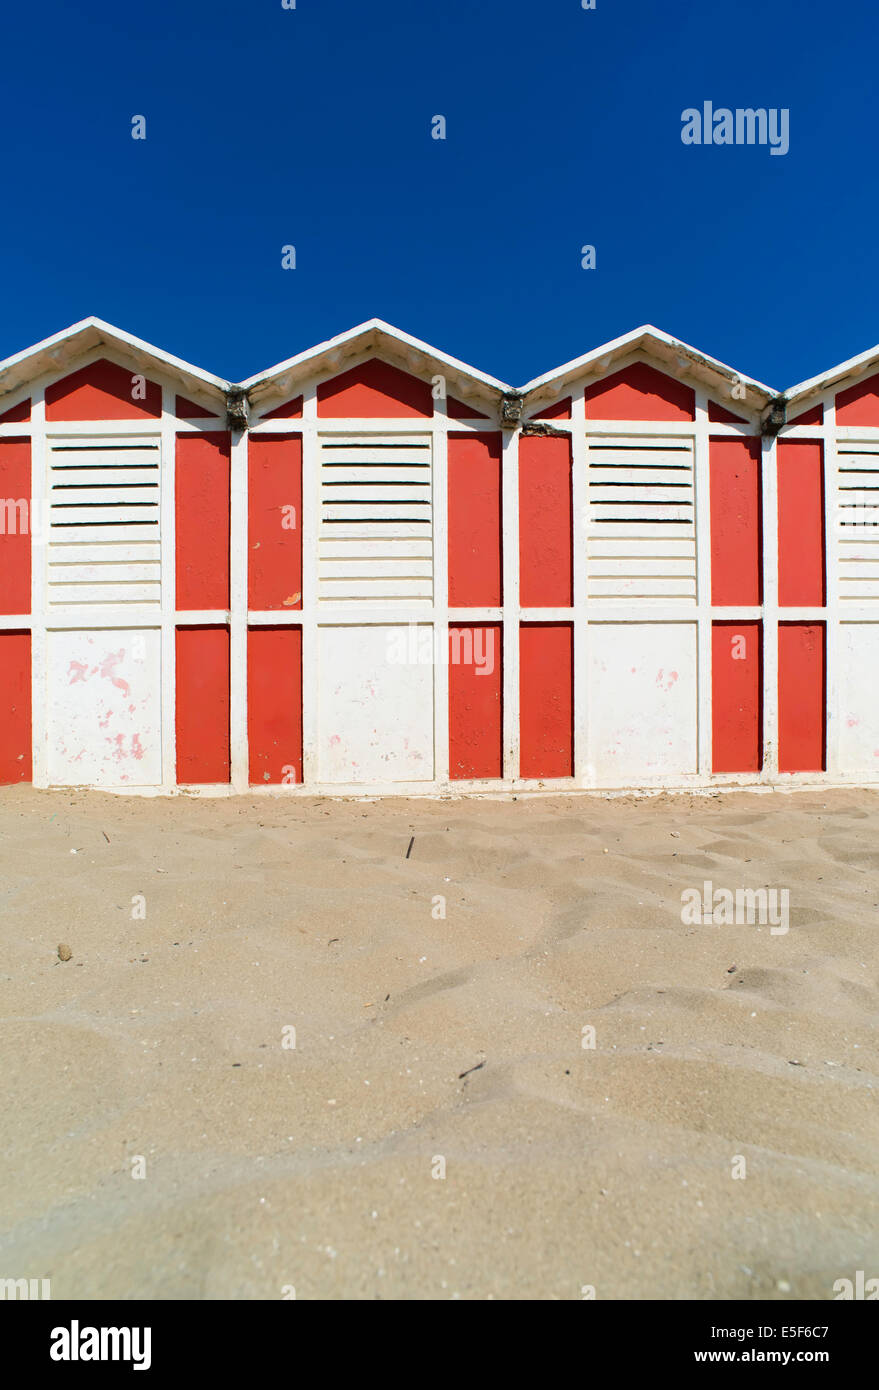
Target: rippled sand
424	1042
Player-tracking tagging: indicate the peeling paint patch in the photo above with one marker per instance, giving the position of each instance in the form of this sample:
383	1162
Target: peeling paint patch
108	667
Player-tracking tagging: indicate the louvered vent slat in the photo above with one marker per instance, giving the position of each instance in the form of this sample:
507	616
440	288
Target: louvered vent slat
641	541
858	522
376	530
104	525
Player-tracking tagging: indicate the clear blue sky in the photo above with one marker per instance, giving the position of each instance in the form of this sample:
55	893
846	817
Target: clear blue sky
312	127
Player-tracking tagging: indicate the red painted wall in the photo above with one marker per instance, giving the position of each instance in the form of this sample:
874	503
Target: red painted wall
16	414
290	410
640	392
475	700
475	565
559	410
202	704
736	531
102	391
202	512
274	531
719	414
15	707
186	409
859	405
815	416
374	390
546	699
800	523
801	700
460	410
545	547
274	704
15	525
737	696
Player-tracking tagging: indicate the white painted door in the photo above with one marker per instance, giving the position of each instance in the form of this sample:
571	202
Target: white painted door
375	697
858	706
643	683
375	708
104	708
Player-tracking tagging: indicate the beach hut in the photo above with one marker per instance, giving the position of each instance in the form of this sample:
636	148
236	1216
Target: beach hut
826	603
652	604
114	487
373	569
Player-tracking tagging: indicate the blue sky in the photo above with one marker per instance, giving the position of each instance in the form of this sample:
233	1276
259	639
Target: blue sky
312	127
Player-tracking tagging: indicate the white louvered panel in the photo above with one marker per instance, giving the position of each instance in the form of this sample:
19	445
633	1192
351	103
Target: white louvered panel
61	594
101	571
630	544
627	566
641	540
139	552
642	588
105	534
390	590
858	522
376	527
355	547
365	569
104	524
343	529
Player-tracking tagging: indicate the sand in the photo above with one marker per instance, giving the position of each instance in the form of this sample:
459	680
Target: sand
425	1042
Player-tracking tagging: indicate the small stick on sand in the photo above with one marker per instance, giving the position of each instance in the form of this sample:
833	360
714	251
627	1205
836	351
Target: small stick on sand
478	1067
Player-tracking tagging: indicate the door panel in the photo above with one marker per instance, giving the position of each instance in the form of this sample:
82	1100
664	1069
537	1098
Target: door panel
375	704
104	716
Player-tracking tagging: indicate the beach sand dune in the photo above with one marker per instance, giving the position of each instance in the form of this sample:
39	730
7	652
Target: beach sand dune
439	1004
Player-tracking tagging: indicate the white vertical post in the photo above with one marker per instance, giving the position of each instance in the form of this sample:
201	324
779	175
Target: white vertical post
832	632
39	549
510	597
310	535
584	772
702	470
168	562
770	608
238	554
440	633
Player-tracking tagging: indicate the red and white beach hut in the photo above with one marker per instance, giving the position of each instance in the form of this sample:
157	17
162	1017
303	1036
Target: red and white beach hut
374	569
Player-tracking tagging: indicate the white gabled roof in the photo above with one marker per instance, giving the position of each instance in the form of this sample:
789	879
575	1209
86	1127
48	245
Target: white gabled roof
63	350
677	356
816	385
373	335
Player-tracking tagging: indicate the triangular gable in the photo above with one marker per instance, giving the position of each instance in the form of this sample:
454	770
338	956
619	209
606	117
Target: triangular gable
376	371
374	390
98	372
647	375
103	390
640	392
859	405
